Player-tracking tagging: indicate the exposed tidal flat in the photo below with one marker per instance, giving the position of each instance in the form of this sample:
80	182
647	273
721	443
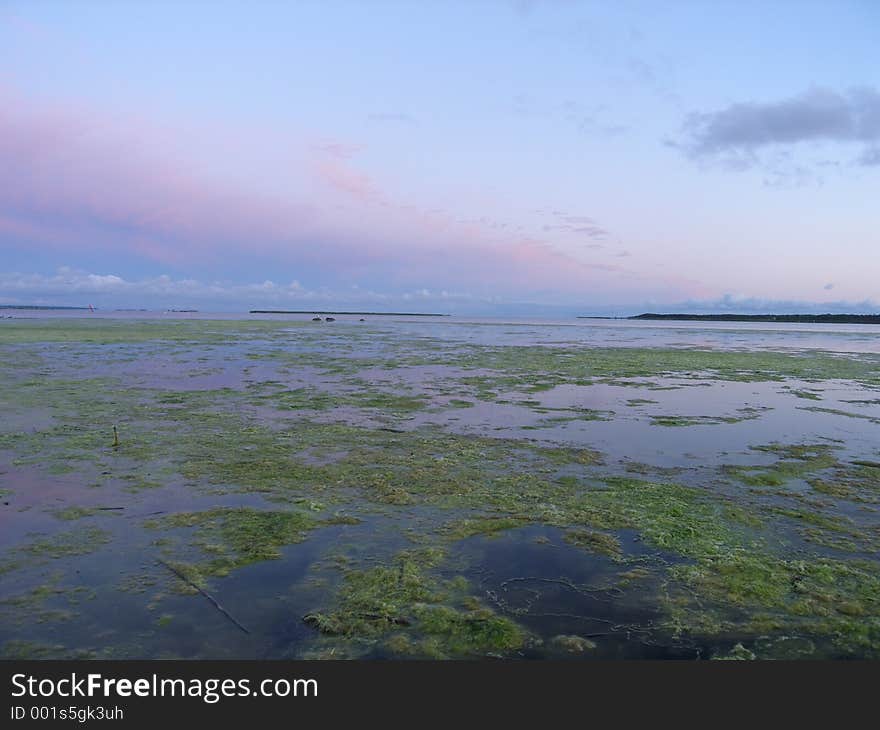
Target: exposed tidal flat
279	488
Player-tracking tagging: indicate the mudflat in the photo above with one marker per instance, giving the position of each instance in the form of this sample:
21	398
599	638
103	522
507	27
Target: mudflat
280	488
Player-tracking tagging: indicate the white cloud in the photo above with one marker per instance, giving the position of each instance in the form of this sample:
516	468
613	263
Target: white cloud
739	304
73	287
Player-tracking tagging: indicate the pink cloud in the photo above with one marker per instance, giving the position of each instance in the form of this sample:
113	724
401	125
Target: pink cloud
343	179
338	150
75	180
60	170
15	228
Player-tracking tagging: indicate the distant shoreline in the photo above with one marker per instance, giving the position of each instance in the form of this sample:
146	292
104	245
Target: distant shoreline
40	307
372	314
802	318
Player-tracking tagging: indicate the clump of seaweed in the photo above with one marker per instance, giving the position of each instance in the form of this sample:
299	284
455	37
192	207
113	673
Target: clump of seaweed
572	644
235	537
427	616
65	544
594	541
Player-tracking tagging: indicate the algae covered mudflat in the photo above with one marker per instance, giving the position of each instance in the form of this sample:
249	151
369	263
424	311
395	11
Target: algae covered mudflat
289	489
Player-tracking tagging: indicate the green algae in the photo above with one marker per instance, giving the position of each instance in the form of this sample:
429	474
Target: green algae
85	412
389	402
74	513
839	412
594	541
72	543
426	615
857	482
733	566
834	599
577	414
572	644
686	421
238	537
518	365
570	455
45	603
744	414
818	466
835	489
315	399
455	632
397	469
112	332
66	544
737	653
491	525
448	471
796	461
829	540
836	524
638	467
816	454
23	649
730	564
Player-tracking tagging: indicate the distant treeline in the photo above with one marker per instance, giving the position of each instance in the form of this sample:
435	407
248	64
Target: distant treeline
35	306
813	318
372	314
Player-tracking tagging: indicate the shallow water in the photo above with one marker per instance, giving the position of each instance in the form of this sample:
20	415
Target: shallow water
396	425
528	331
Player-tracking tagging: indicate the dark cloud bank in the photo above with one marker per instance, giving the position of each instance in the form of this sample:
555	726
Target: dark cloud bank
816	115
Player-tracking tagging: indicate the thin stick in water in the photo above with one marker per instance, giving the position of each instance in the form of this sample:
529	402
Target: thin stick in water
204	593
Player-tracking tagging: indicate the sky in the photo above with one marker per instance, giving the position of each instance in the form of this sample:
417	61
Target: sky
466	157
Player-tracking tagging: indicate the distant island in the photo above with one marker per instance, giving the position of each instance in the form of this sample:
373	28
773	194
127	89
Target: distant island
804	318
371	314
36	306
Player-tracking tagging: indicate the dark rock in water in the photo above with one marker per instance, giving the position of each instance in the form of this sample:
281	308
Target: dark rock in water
317	319
330	319
362	320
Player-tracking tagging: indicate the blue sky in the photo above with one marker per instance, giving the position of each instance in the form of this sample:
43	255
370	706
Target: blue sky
472	157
